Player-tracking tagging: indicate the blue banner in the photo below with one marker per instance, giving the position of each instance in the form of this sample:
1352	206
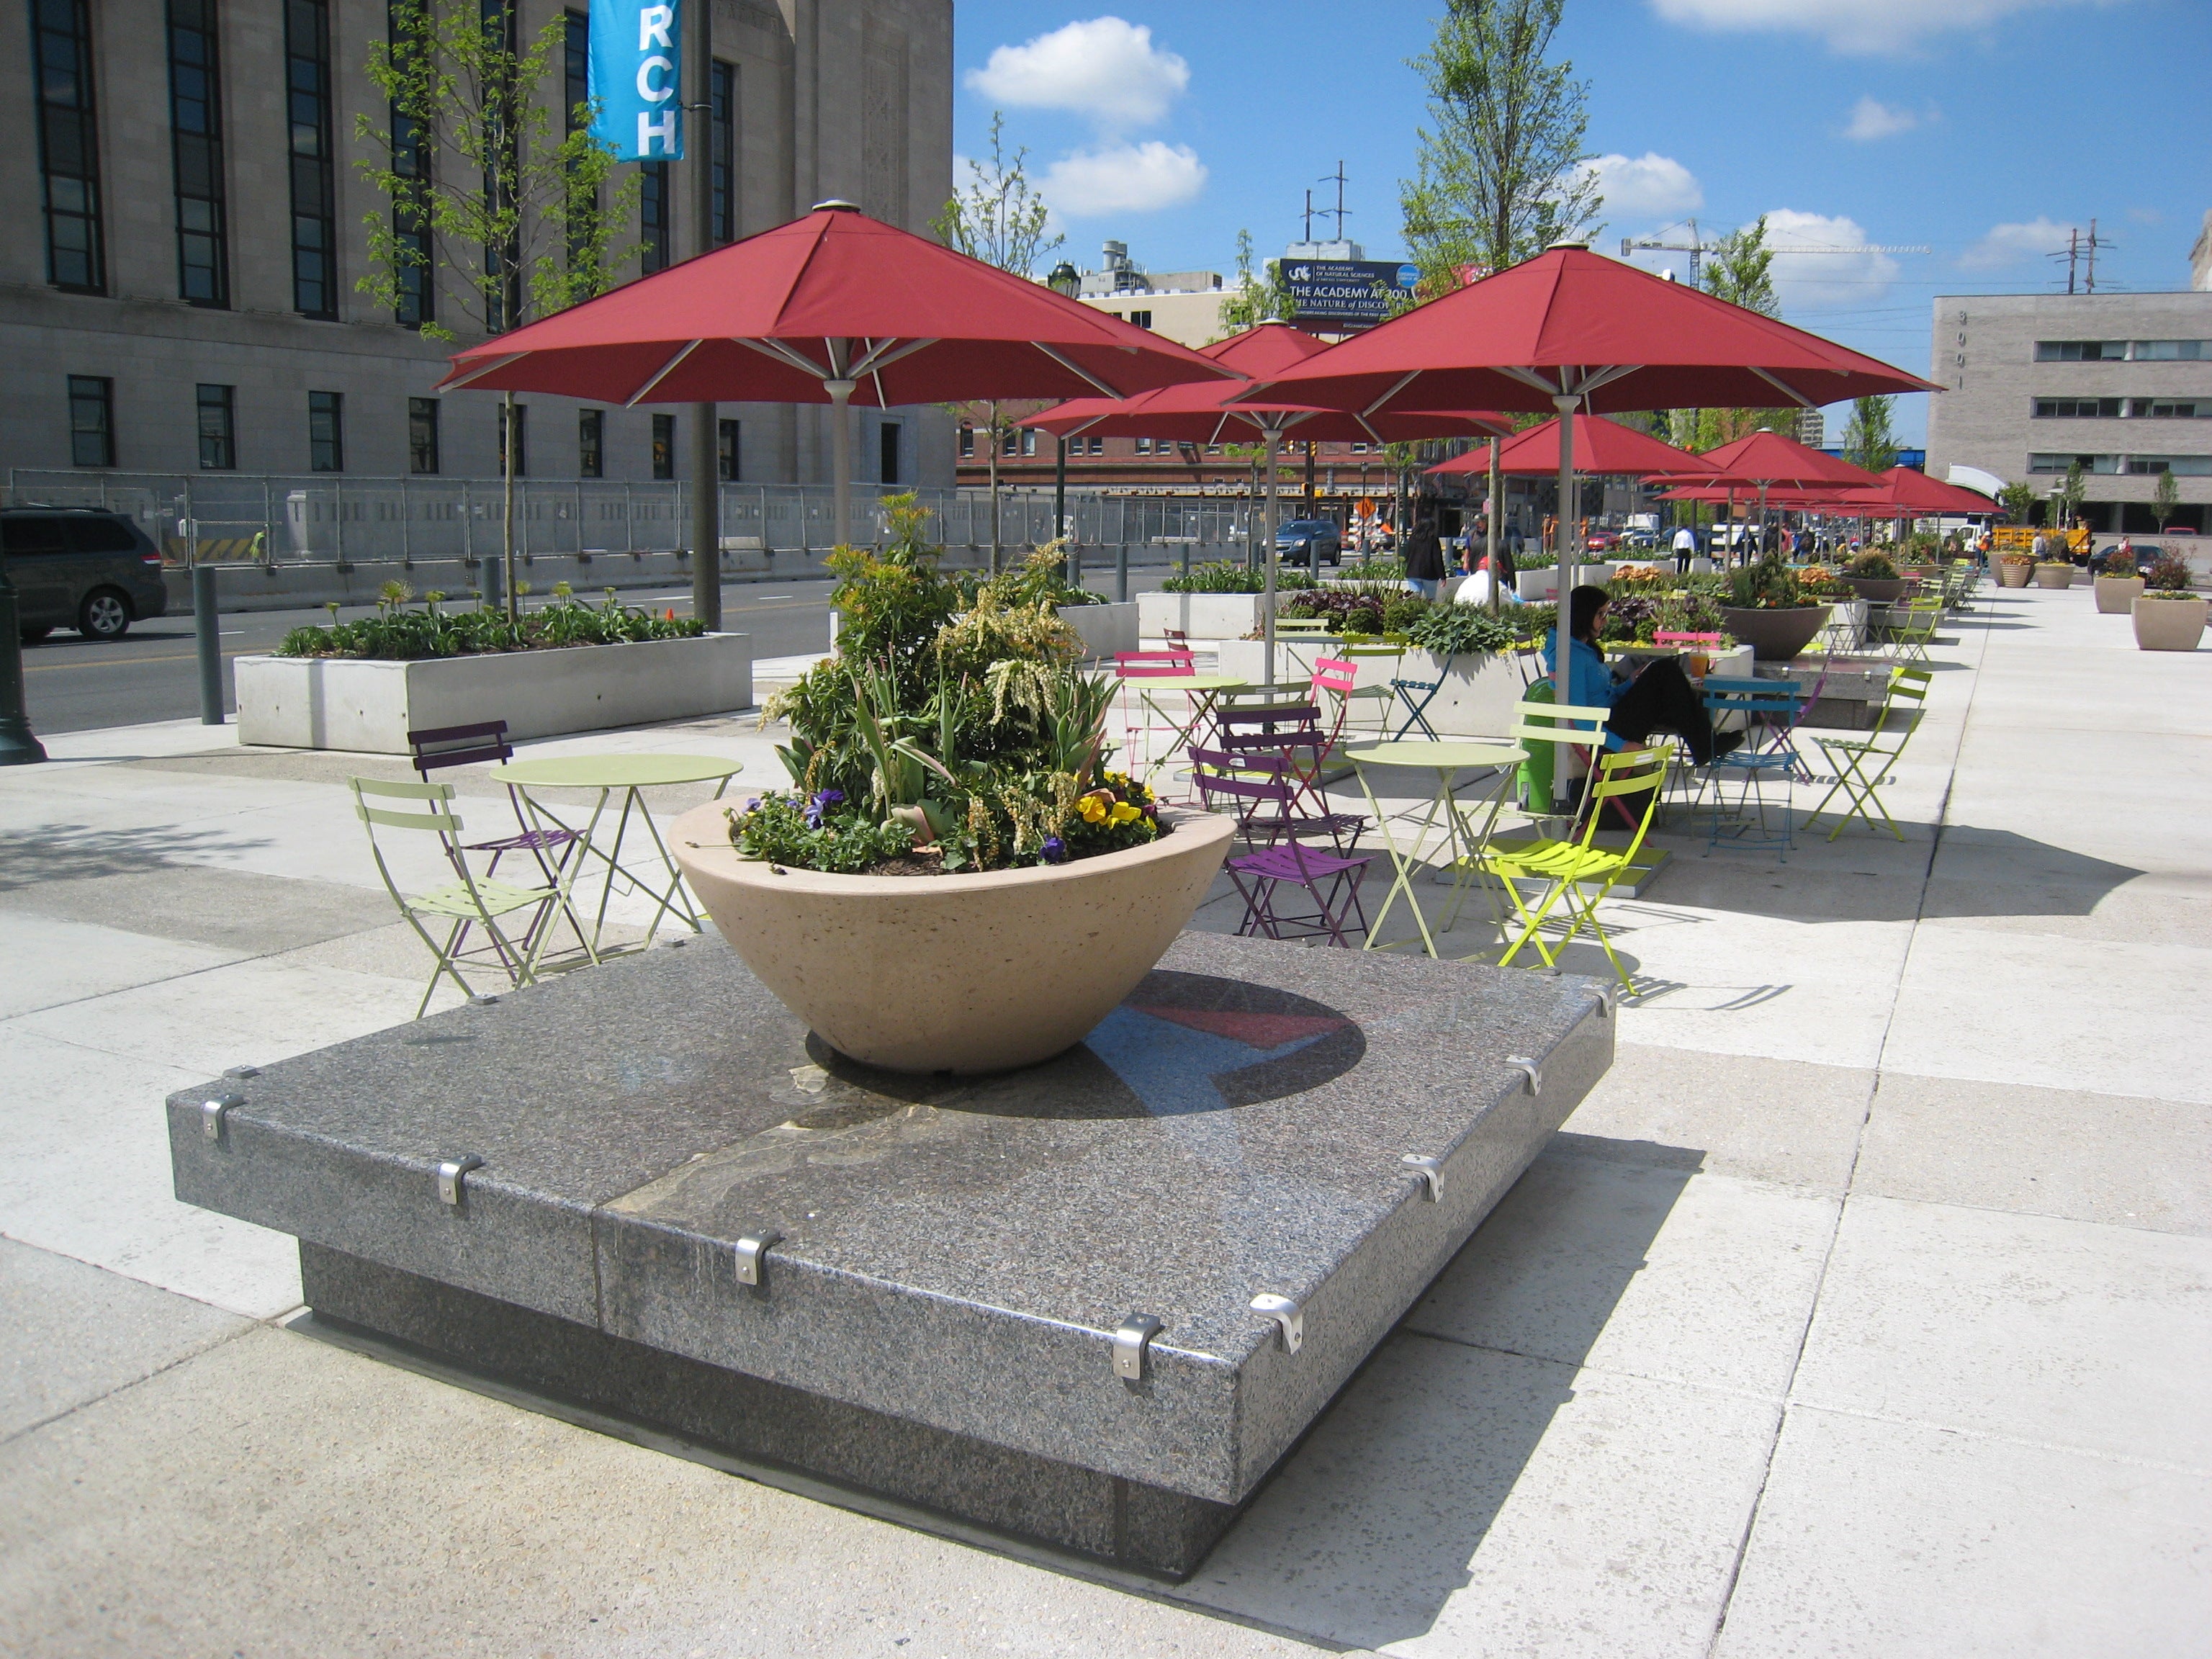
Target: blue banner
635	78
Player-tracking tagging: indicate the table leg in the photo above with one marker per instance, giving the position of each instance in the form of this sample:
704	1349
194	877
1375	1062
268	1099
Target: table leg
1402	867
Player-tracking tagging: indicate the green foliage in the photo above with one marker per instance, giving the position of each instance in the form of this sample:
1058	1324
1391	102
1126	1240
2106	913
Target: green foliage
1874	566
2166	498
1228	578
1769	584
1373	570
1460	631
815	834
479	164
397	635
1258	296
1870	435
1501	173
1040	578
998	218
2066	500
2168	574
2015	498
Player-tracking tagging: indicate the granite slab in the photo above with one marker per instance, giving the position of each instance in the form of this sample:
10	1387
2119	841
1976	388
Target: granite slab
954	1254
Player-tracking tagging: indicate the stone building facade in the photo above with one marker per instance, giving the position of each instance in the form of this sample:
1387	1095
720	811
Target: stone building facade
180	292
2122	382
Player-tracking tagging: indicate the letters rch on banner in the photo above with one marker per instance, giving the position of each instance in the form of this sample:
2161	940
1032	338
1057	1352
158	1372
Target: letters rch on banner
635	78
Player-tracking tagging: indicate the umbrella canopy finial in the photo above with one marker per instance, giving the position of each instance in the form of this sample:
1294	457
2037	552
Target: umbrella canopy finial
835	204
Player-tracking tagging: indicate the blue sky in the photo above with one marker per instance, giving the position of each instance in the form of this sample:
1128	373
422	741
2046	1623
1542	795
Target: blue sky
1984	129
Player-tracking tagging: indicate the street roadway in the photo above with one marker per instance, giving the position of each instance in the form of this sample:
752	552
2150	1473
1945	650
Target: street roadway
71	684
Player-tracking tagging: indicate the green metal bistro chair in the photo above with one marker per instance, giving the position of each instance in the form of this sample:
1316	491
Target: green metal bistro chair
471	902
1578	871
1862	764
1912	628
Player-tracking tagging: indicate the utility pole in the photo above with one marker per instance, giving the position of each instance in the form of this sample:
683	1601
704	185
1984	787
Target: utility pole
706	438
1338	212
1308	230
2090	286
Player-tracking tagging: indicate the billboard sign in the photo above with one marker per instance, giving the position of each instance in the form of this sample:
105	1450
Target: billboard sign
1339	295
635	77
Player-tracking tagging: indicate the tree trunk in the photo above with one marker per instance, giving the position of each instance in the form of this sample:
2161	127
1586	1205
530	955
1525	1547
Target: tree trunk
507	517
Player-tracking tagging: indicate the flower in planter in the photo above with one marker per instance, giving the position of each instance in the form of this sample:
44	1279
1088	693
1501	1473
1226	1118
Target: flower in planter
820	805
1054	850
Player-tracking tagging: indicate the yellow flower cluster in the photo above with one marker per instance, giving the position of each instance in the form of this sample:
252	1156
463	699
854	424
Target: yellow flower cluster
1099	807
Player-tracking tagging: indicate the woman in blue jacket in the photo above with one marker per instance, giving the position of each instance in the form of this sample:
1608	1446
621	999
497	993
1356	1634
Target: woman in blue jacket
1660	697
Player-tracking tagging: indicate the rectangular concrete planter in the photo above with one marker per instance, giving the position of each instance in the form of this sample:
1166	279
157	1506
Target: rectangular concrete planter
332	703
1106	629
1201	616
1476	699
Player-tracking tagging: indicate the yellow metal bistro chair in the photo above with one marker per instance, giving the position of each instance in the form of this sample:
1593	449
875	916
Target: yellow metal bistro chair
473	901
1862	764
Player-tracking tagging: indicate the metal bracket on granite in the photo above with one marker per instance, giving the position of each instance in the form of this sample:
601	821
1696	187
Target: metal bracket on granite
1286	1313
1130	1342
752	1250
214	1111
1608	999
1431	1172
452	1172
239	1074
1528	1068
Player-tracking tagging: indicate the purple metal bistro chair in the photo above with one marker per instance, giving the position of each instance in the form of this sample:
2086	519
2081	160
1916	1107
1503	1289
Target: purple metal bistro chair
486	741
1289	730
1264	808
1261	828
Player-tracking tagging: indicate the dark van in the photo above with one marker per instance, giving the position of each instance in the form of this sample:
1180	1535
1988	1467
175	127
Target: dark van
74	568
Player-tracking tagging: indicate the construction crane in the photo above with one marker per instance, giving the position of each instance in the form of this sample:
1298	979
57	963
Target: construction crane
1697	247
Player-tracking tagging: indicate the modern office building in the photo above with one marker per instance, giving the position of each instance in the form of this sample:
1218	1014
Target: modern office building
2121	383
1184	306
181	292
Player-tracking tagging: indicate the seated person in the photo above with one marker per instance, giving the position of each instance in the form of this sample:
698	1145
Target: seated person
1659	697
1476	589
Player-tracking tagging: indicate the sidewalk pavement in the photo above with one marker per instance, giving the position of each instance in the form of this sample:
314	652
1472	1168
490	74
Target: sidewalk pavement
1863	1309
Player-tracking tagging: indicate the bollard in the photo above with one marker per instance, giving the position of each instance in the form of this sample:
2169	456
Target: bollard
494	572
1186	559
207	637
1075	564
1121	575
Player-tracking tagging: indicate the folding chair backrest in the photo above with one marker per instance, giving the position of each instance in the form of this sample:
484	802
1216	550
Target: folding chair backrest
438	815
1153	664
1335	674
1760	699
1559	723
1217	774
459	745
1274	725
1624	772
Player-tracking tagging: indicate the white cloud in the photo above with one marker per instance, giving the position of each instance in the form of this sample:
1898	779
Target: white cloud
1855	26
1106	69
1852	278
1872	119
1649	186
1123	179
2016	245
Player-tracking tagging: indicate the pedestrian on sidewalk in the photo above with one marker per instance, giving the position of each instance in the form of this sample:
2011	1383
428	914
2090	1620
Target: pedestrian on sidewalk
1686	549
1425	558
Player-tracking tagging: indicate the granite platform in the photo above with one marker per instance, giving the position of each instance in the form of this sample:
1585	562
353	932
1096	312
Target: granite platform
1092	1303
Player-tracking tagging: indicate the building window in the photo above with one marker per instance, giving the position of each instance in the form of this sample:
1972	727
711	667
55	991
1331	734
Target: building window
1098	446
1028	442
1142	318
422	434
2053	462
314	204
2077	409
2182	466
196	154
518	417
727	453
218	430
2081	351
325	432
724	155
92	420
2169	351
1143	446
590	426
2158	409
967	443
651	216
69	146
887	451
411	158
664	446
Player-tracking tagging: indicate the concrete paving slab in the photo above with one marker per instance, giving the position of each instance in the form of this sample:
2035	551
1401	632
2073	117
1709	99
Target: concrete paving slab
1777	1120
1998	1006
2064	1332
87	1175
2117	1158
75	1333
1653	1273
50	963
1459	1500
1893	1541
231	911
210	1509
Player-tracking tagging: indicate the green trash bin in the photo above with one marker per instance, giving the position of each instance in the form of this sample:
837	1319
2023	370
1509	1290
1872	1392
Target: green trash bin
1537	771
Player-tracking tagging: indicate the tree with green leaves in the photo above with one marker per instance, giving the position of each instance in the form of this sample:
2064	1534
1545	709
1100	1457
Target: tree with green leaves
1502	173
1870	435
2016	500
1260	294
2066	500
2166	498
495	213
1000	218
1739	269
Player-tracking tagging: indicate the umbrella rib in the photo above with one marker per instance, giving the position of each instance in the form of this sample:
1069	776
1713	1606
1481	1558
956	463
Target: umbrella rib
1528	377
1403	380
1791	392
784	355
478	373
666	368
1078	370
881	357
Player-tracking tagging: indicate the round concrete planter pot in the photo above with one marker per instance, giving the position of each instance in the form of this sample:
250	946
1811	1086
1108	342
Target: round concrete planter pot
2054	576
2116	595
2012	574
2169	624
966	973
1878	590
1775	636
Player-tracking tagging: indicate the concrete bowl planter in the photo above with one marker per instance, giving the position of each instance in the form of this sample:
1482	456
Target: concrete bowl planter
2054	576
2116	595
1878	590
1775	636
371	705
2012	574
966	973
2169	624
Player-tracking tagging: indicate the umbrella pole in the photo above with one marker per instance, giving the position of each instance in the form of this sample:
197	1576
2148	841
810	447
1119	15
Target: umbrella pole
1762	517
840	457
1490	534
1268	435
1570	565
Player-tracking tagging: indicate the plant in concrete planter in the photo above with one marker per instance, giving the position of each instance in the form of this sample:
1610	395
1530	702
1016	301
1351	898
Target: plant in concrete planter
1873	577
2168	616
2118	584
1766	610
2054	573
2013	569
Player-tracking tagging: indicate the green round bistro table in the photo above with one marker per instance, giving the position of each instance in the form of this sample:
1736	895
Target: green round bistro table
1447	758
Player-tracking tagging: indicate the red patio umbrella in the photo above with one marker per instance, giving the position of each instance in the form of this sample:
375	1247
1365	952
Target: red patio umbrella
1202	411
1570	330
834	307
1912	493
1599	447
1765	459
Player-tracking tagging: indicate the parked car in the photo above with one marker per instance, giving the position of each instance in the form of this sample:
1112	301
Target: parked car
1297	541
75	567
1601	541
1641	538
